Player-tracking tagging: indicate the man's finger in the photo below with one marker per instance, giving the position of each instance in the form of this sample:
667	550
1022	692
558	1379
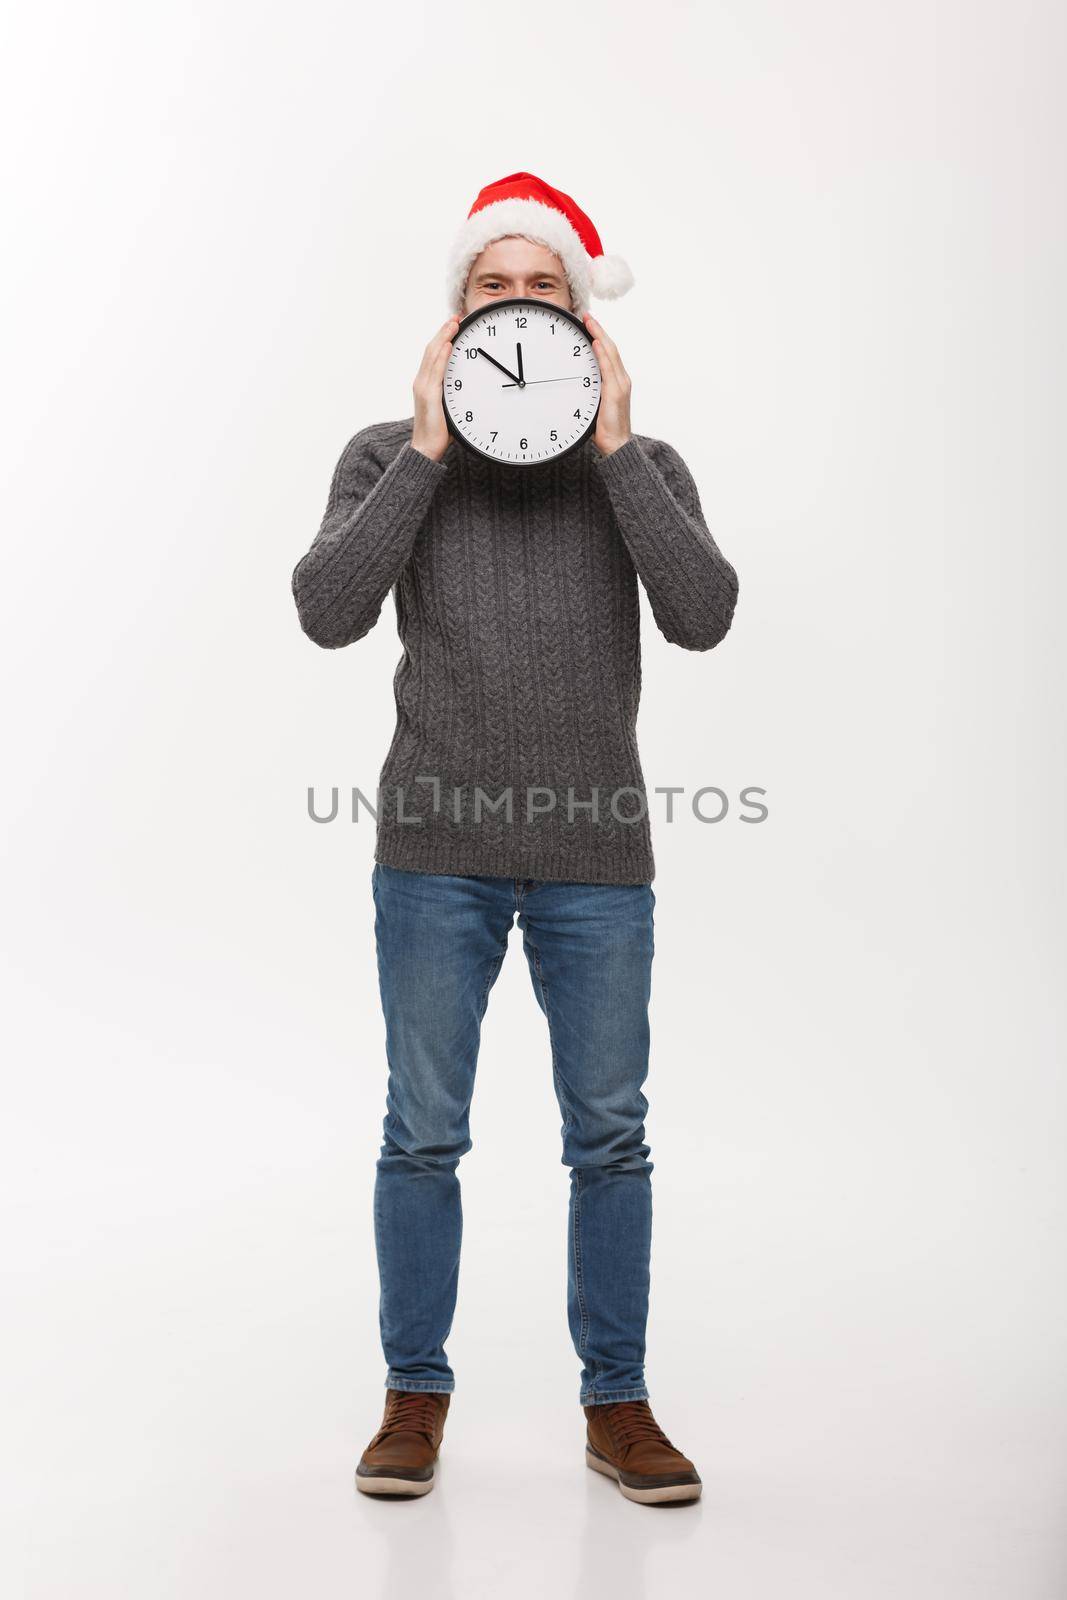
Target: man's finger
443	342
607	353
440	361
609	364
433	350
599	332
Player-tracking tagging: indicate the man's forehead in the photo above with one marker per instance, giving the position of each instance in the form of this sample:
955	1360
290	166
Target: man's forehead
502	250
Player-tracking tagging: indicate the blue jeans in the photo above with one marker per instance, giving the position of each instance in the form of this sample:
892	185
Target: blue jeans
440	944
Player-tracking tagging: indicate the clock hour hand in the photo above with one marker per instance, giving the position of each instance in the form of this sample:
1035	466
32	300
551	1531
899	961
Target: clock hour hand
502	368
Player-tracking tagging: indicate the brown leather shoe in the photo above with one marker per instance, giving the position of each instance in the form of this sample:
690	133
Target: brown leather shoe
400	1458
626	1443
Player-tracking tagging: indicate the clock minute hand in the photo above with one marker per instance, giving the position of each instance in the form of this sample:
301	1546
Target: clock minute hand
522	375
502	368
572	377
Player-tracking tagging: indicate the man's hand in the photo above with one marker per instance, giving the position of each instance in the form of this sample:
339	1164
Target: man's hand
613	419
430	435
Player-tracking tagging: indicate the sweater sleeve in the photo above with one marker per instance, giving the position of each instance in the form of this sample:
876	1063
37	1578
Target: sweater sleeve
691	586
375	509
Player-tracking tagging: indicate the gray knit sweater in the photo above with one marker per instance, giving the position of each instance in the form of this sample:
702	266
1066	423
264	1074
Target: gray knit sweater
515	750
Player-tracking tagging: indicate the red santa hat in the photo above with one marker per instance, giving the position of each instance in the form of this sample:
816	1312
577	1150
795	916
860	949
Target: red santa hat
524	205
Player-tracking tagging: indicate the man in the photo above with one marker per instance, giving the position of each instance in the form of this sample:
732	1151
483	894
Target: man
517	606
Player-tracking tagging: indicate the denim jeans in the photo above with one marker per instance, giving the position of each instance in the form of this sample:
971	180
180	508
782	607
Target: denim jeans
440	944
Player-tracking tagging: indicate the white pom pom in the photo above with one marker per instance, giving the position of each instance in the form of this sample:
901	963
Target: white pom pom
611	277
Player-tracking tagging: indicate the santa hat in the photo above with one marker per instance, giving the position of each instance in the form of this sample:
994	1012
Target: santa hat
524	205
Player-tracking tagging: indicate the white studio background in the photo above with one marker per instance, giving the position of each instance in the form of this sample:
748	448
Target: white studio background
226	227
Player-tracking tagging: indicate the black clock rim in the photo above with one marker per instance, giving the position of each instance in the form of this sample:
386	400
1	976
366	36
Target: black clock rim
483	455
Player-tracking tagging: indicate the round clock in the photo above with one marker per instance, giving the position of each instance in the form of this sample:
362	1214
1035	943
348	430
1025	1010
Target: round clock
522	384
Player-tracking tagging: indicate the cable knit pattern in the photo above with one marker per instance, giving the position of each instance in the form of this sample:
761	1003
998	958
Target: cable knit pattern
517	608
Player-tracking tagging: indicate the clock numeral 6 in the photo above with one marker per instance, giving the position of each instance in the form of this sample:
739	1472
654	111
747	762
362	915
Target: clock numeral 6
523	444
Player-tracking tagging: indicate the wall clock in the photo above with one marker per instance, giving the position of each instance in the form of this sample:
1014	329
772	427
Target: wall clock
522	384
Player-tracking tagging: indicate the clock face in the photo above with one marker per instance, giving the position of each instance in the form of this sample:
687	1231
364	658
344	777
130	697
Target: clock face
522	384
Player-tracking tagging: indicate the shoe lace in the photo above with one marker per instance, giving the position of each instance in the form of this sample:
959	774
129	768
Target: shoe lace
631	1422
410	1412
